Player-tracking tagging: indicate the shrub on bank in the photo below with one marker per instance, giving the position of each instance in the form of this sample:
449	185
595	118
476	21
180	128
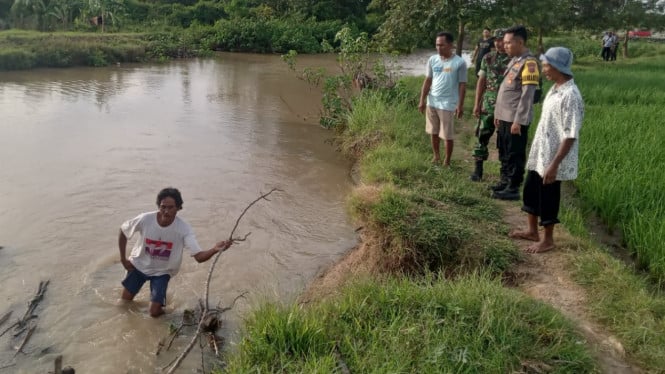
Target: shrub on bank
16	59
272	36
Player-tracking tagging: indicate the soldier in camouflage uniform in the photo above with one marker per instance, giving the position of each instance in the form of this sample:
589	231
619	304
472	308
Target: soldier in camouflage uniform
490	75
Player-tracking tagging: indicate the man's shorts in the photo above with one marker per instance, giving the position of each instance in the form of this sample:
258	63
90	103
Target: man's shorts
158	285
440	122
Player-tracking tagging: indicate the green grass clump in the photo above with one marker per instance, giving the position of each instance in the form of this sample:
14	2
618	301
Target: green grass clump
625	301
472	325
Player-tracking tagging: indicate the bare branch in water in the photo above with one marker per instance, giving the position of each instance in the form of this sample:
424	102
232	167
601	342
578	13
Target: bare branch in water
205	311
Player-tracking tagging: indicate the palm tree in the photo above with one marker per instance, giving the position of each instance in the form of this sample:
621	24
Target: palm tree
25	10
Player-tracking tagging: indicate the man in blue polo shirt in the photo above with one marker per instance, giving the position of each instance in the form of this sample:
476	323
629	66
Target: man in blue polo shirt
442	95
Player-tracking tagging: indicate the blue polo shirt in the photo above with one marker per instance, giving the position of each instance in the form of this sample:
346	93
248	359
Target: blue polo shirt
446	76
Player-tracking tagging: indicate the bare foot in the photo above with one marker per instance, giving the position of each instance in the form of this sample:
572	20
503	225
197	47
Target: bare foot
436	161
540	247
526	235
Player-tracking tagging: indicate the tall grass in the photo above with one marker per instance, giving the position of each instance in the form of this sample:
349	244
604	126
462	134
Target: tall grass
621	154
473	325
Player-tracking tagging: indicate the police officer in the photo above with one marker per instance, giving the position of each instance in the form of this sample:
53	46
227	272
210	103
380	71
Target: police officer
490	75
514	111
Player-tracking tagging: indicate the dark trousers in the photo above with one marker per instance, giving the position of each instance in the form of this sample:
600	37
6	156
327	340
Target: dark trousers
540	199
512	153
484	131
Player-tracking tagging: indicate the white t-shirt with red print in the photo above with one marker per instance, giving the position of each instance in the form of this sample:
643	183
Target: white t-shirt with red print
158	250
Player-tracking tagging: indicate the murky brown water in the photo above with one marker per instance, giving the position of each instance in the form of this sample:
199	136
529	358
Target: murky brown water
82	150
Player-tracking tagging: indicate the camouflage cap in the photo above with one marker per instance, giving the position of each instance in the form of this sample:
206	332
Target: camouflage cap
498	33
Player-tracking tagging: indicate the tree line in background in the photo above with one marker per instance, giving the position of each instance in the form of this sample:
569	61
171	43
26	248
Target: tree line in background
396	24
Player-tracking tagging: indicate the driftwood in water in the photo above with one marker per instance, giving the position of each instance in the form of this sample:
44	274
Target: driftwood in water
4	318
19	349
205	310
34	302
59	369
9	328
21	325
187	320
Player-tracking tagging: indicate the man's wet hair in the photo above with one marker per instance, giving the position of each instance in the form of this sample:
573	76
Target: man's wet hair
447	35
519	31
170	192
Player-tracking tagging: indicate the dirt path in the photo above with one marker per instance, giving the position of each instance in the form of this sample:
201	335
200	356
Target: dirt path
547	277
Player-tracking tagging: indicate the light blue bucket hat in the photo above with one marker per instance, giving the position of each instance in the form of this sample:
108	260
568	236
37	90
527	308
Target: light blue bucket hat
560	58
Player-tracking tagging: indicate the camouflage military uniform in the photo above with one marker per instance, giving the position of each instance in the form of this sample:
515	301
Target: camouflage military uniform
494	65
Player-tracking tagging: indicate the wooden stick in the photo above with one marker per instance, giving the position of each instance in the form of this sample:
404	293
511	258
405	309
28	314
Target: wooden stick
214	262
9	328
34	302
213	342
4	318
25	340
58	365
204	312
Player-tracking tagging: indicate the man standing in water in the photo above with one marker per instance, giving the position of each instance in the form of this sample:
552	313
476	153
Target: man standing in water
554	152
442	95
514	111
490	76
157	254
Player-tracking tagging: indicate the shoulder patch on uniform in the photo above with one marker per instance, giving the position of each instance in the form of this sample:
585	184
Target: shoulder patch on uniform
530	73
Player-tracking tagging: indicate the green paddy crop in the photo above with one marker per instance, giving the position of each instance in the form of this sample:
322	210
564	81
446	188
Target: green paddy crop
621	154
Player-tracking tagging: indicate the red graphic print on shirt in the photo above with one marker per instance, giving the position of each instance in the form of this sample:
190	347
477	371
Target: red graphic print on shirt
158	249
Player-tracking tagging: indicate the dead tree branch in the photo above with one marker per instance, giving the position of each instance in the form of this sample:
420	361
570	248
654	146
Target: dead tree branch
204	312
19	349
34	302
9	328
4	318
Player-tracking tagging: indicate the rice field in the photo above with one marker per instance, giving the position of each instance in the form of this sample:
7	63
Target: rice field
622	153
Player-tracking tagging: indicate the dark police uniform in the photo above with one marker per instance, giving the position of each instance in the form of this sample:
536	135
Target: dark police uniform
514	104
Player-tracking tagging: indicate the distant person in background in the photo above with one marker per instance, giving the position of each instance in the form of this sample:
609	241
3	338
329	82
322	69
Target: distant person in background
615	46
513	112
484	45
607	43
442	95
554	151
490	75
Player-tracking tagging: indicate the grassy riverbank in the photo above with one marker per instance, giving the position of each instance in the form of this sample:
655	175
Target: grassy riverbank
435	232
